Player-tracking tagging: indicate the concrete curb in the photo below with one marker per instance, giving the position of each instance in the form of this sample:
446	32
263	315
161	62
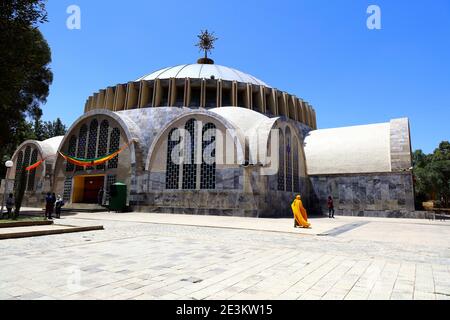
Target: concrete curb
28	234
25	224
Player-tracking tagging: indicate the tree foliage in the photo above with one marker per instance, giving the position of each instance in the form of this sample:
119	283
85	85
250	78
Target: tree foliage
25	75
48	129
432	174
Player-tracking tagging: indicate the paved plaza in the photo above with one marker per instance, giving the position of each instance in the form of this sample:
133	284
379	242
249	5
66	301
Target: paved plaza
150	256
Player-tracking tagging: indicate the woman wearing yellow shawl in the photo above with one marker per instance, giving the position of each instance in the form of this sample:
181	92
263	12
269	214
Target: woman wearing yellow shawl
300	215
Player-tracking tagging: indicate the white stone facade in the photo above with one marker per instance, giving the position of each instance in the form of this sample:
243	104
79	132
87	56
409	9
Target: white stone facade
308	161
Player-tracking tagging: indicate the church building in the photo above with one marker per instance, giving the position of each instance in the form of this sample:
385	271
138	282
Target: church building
366	169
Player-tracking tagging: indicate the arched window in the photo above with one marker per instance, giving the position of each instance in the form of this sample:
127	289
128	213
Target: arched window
172	168
208	167
189	166
281	169
32	174
103	142
26	158
114	144
81	153
288	161
92	141
71	152
19	166
295	166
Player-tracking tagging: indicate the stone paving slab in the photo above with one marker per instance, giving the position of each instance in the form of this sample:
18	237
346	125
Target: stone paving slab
319	225
143	257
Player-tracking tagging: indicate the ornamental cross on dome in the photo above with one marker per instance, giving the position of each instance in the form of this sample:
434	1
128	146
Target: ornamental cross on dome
206	42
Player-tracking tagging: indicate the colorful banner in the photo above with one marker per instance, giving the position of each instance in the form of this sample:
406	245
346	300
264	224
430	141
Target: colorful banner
93	162
34	166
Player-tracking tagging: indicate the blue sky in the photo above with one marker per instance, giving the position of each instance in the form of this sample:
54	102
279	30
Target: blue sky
319	50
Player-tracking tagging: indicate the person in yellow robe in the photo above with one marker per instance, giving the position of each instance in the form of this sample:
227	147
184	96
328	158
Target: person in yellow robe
300	214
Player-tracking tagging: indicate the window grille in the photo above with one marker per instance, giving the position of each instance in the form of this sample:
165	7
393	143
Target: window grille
18	168
92	141
71	152
288	161
208	167
281	169
114	145
82	144
67	189
103	142
295	166
172	168
32	174
189	166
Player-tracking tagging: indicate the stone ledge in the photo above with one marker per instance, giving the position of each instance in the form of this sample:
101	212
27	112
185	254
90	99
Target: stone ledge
47	232
386	214
25	224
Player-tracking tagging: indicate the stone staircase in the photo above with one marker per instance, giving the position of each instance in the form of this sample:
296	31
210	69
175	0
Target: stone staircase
83	207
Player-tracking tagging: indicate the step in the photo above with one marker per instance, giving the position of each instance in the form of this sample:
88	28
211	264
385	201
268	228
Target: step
83	207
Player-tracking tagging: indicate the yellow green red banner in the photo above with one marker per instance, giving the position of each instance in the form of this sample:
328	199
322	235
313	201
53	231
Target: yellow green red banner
92	162
34	166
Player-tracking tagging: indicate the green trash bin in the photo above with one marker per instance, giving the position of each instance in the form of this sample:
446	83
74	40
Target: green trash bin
118	197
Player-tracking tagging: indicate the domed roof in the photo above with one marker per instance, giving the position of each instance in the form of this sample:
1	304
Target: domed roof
206	71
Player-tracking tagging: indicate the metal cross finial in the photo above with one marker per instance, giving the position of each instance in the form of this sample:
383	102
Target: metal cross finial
206	42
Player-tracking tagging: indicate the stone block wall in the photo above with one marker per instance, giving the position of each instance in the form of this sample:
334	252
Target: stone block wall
400	145
218	202
366	194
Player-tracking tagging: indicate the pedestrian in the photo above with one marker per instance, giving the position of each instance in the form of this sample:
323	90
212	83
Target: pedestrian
53	204
9	205
100	197
58	205
48	205
330	204
300	214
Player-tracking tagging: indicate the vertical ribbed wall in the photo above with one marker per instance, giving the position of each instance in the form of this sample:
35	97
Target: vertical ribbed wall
168	92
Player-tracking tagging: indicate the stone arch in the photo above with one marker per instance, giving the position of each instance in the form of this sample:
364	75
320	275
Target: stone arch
285	126
209	132
106	123
206	117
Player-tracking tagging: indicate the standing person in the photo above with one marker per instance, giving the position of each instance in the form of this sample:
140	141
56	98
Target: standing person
53	201
48	205
100	196
300	214
9	205
330	204
58	205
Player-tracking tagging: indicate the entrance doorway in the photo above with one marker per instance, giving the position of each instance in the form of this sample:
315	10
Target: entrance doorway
86	188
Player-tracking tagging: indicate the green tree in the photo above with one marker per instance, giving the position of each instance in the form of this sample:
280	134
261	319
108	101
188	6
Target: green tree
432	174
49	129
25	75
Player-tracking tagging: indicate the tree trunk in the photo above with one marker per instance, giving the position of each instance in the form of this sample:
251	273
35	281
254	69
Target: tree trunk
20	192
